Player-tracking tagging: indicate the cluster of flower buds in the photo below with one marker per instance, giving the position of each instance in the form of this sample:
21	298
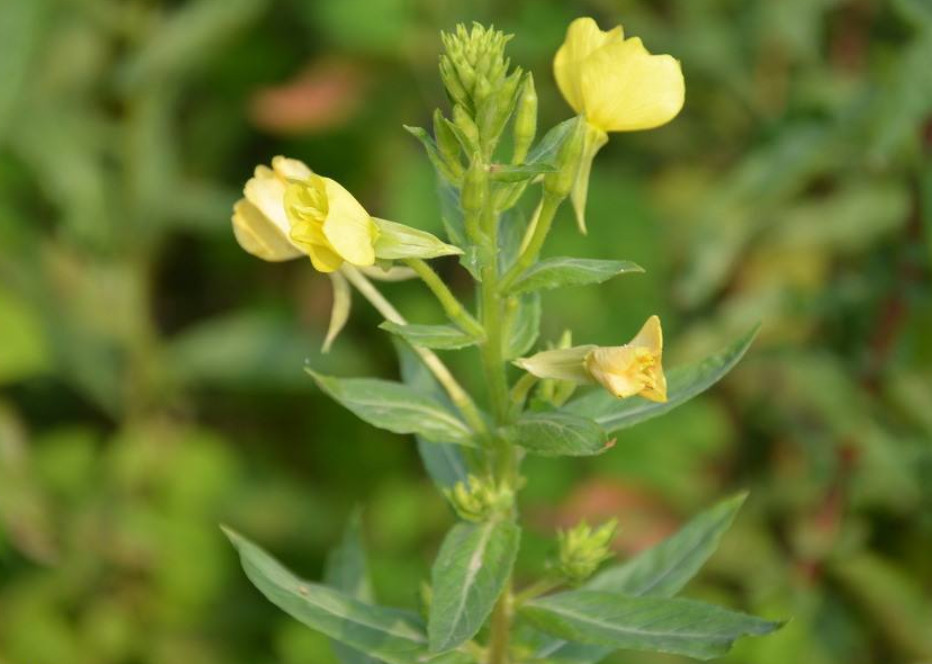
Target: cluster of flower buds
478	499
583	549
476	75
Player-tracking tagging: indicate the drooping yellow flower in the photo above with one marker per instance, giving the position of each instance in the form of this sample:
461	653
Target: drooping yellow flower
632	369
625	371
289	211
329	224
615	82
616	85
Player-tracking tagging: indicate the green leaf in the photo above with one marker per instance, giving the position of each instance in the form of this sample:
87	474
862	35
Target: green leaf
443	337
559	434
347	570
440	166
664	569
548	147
444	462
519	173
677	626
556	272
683	383
397	241
395	407
467	578
392	635
522	324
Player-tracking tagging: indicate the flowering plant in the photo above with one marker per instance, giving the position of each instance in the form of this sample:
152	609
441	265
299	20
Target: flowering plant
471	611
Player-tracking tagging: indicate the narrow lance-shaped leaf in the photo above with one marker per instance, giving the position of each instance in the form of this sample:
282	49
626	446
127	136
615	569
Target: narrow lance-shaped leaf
444	462
436	159
441	337
663	570
683	383
558	434
470	572
391	635
677	626
347	570
557	272
395	407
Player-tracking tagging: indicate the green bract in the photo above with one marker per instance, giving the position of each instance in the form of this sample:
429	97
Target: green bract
499	200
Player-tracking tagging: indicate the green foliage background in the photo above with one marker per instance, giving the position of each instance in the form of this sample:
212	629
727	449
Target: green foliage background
151	381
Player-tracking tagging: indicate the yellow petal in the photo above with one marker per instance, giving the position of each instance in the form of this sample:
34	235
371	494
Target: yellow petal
582	38
616	369
267	193
650	337
259	236
323	258
290	169
348	227
625	88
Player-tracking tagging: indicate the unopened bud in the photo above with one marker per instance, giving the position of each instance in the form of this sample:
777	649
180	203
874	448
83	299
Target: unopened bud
583	549
474	64
525	124
466	125
447	144
479	499
561	183
473	191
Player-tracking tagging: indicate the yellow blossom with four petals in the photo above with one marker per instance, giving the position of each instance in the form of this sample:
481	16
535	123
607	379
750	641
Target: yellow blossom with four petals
616	85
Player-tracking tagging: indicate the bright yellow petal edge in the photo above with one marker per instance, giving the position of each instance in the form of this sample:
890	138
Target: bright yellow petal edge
615	82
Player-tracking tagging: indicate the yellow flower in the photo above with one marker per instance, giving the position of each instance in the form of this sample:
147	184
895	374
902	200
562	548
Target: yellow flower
625	371
615	82
617	85
634	368
288	211
329	224
259	221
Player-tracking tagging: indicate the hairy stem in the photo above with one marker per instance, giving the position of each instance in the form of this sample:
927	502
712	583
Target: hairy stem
493	362
451	306
457	394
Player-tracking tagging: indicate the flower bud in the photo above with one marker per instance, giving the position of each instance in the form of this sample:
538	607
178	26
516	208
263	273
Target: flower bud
448	145
466	125
583	549
474	65
525	124
561	183
479	499
472	194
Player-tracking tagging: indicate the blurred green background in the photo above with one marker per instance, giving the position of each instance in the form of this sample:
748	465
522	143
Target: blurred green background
151	380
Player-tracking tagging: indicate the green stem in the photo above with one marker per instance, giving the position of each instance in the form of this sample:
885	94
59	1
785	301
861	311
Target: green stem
493	362
451	306
457	394
548	210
